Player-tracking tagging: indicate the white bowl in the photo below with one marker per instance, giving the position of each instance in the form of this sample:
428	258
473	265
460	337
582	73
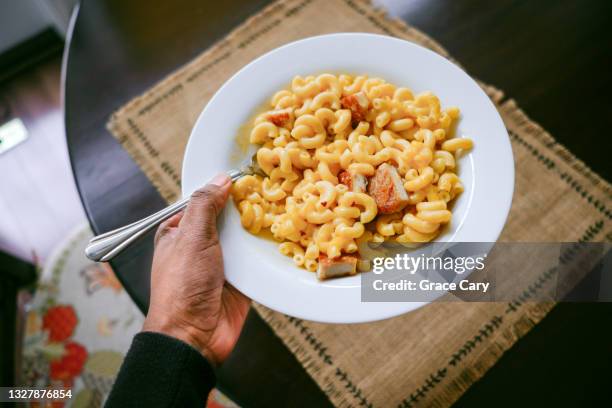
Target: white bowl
254	265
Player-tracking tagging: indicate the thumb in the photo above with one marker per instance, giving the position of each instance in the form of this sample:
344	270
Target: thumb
205	205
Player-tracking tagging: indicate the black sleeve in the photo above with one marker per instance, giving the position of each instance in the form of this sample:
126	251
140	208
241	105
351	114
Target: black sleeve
161	371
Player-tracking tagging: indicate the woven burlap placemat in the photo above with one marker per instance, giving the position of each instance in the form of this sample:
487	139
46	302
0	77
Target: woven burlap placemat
428	357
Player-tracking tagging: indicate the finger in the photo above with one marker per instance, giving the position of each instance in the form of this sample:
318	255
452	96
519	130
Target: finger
166	226
175	219
205	205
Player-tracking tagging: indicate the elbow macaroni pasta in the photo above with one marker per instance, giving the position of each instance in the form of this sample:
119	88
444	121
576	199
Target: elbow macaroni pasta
311	134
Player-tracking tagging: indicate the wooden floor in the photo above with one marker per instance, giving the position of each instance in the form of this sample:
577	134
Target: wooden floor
39	203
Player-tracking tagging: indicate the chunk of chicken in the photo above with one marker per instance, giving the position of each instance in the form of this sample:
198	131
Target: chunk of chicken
280	117
334	268
358	105
387	189
357	183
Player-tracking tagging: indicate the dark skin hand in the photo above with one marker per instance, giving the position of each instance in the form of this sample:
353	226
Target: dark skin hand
190	299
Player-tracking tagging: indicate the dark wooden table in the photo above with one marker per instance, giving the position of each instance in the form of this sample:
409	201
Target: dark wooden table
553	57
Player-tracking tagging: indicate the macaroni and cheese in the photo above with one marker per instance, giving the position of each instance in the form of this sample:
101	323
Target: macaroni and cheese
350	159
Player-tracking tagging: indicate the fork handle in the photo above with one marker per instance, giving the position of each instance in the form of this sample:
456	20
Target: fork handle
106	246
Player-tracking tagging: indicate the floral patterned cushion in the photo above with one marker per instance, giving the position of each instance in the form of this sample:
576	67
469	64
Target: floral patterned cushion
79	326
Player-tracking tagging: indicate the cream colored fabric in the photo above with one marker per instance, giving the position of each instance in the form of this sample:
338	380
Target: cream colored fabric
428	357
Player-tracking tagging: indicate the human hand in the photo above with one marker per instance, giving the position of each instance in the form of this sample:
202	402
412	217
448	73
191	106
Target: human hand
190	299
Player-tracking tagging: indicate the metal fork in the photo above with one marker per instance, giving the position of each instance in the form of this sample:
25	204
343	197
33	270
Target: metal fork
106	246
